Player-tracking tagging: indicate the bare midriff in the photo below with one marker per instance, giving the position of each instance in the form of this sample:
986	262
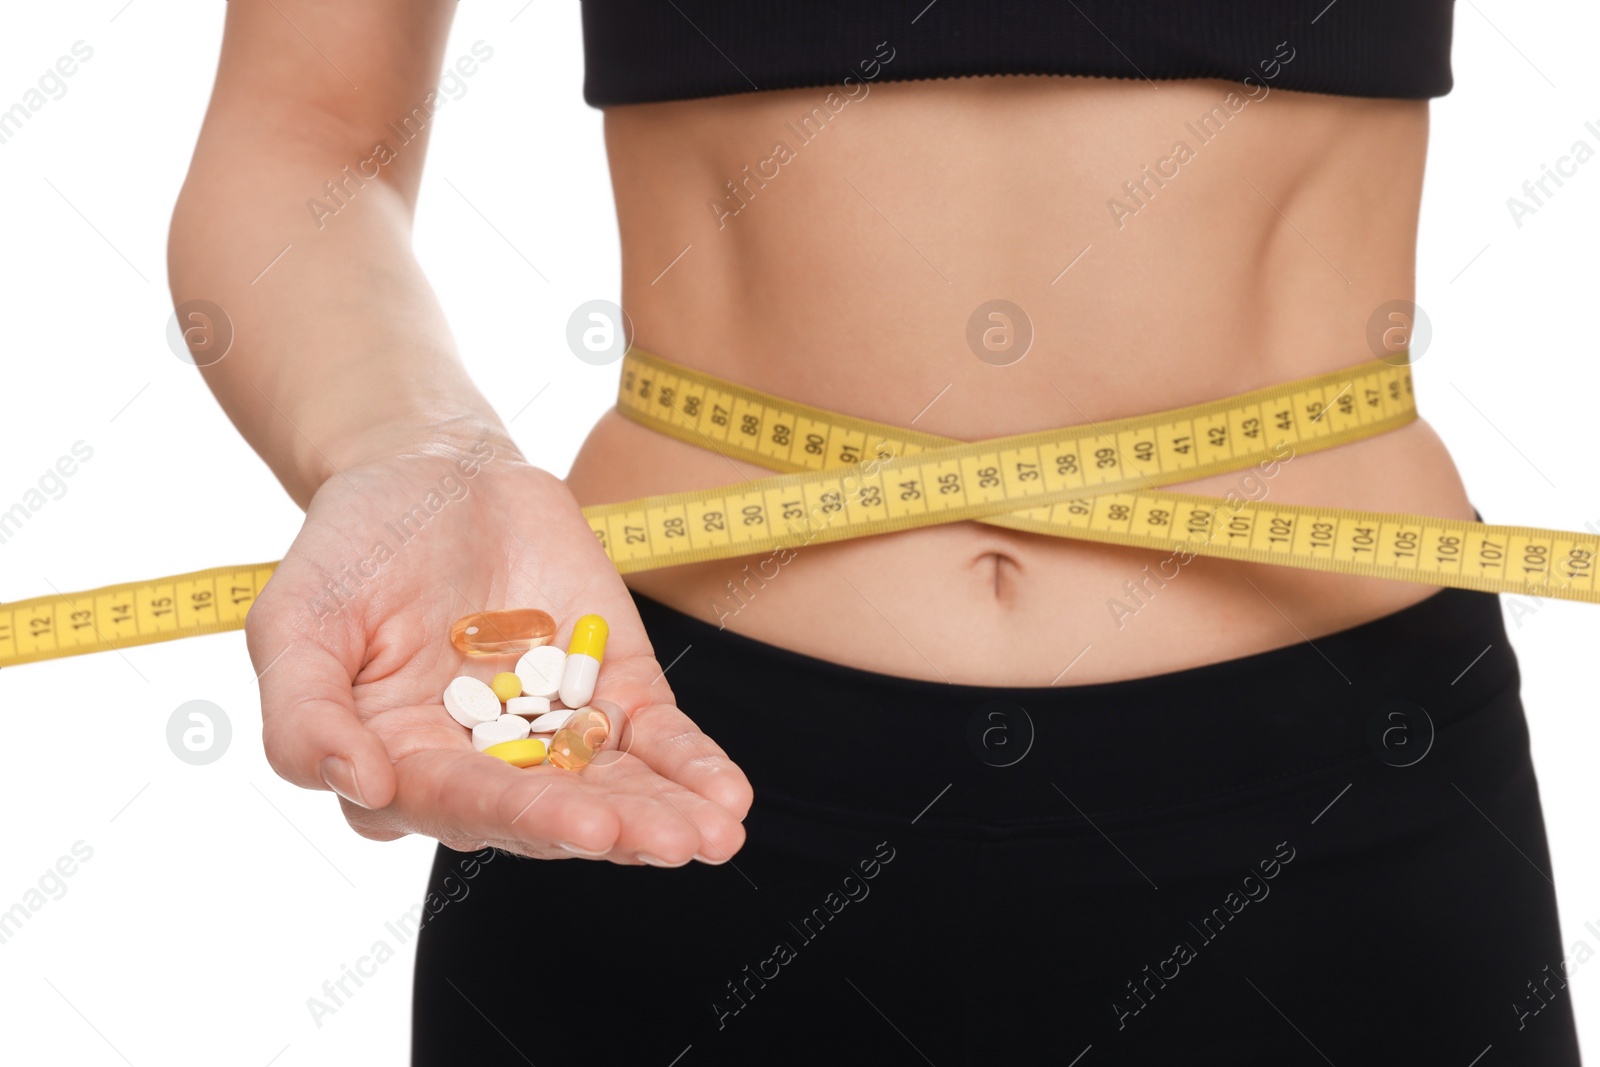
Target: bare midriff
842	271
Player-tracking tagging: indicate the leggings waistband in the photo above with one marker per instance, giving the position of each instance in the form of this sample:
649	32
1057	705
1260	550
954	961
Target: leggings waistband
823	736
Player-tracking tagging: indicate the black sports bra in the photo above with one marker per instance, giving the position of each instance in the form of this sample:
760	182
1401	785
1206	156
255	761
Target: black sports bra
637	51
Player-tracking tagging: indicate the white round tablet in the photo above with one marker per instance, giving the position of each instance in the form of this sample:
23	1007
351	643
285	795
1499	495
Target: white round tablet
470	701
540	670
505	728
529	707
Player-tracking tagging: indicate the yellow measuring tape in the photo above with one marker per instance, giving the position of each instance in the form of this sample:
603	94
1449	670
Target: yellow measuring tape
134	613
1096	482
849	477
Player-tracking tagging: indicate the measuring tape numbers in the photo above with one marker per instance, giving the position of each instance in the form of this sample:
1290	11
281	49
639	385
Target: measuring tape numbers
843	477
1101	482
132	613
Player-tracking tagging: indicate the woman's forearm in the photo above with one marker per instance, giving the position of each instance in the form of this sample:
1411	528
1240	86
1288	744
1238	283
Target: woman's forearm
340	348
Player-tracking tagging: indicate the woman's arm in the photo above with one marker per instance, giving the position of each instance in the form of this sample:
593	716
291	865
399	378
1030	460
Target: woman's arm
339	344
419	508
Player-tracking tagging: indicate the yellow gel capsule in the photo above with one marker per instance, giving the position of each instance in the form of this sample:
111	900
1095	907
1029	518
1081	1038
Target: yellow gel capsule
502	633
589	637
569	751
506	686
590	724
575	744
528	752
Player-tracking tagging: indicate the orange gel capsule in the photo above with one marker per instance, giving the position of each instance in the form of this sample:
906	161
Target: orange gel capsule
502	633
592	725
574	745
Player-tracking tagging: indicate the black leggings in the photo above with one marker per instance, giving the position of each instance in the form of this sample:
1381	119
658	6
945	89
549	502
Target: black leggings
1328	853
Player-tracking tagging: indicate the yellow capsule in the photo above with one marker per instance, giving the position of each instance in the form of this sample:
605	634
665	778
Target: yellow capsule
506	686
528	752
589	637
582	668
501	633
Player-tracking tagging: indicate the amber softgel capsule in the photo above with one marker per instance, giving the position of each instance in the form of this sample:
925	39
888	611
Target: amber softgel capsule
502	633
584	734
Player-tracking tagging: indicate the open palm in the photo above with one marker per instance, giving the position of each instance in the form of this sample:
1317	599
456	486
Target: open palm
351	639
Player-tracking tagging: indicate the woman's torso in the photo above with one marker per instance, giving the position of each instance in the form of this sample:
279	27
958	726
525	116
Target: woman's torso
843	273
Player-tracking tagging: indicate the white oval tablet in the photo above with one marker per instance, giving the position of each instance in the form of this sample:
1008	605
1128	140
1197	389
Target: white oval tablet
551	722
540	670
528	707
470	701
505	728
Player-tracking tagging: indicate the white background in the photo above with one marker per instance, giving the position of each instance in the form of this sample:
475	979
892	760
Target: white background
218	898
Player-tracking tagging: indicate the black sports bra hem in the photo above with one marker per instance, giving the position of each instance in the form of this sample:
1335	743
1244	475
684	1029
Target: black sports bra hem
835	85
643	51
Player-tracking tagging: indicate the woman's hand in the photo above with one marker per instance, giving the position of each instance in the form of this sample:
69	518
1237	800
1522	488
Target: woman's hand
351	641
339	355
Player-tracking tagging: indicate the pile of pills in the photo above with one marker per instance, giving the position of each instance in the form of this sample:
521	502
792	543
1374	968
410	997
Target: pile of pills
540	710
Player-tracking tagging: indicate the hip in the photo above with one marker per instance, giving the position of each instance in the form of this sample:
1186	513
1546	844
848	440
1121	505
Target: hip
1320	823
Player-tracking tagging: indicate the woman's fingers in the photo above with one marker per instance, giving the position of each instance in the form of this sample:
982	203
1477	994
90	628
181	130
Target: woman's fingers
463	798
663	823
312	734
664	738
618	808
660	734
309	726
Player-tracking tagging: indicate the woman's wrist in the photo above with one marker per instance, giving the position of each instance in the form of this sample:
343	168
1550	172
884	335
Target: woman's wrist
457	434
